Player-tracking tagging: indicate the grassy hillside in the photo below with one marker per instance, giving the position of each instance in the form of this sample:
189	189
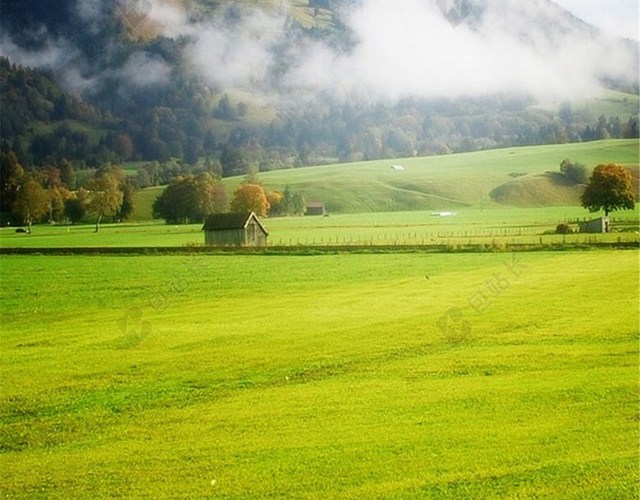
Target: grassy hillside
607	103
144	203
613	103
550	189
319	377
546	190
437	183
440	182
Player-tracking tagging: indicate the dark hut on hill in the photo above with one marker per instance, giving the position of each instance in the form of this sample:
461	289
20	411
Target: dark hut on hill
240	230
315	208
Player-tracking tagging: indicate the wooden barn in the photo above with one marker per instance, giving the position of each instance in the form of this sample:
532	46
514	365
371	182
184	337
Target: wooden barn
240	230
315	208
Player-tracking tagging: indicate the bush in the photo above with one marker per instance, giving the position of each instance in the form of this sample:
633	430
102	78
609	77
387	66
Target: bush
575	171
564	229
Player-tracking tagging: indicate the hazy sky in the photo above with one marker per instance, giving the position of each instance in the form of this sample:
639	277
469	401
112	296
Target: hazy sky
618	17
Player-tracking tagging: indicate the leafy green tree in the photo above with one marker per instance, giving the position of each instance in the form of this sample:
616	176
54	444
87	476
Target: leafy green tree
67	175
192	151
32	202
188	199
128	205
293	202
224	110
234	161
575	171
610	188
212	197
11	176
250	198
251	175
213	166
74	209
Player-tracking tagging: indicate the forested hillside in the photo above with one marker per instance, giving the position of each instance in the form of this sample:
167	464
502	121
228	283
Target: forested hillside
228	87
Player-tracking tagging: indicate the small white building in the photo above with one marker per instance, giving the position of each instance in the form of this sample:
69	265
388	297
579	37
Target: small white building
600	225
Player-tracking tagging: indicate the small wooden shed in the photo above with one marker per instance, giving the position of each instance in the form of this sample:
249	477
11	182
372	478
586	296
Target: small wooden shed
233	229
600	225
315	208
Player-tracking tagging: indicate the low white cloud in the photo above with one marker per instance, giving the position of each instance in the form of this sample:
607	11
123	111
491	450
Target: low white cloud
52	55
400	49
169	17
411	49
89	10
143	70
238	54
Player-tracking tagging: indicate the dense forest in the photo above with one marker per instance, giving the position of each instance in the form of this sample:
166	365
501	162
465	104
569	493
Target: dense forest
188	128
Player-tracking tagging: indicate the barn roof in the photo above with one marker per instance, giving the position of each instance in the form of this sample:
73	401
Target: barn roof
221	222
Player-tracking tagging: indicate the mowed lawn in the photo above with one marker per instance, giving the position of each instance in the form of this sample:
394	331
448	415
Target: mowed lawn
336	376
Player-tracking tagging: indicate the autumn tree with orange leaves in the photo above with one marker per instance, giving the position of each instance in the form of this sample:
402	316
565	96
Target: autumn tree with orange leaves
610	188
250	198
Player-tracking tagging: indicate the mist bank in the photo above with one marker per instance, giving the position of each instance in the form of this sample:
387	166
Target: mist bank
373	50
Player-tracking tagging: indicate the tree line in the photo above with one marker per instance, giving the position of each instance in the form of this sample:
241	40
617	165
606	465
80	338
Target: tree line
191	198
186	124
29	196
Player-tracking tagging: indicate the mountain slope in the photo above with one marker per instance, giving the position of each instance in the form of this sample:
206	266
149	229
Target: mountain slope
307	82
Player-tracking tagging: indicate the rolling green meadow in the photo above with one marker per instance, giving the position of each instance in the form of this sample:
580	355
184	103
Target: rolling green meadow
450	182
336	376
371	204
345	373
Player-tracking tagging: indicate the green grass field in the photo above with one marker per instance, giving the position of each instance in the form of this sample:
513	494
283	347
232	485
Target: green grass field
498	225
440	182
372	204
430	183
371	375
320	377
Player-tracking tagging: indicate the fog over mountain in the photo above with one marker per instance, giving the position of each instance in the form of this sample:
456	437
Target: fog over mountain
276	84
395	50
530	47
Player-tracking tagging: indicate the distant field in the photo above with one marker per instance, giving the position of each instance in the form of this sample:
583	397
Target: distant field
497	225
144	203
608	103
432	183
613	103
342	376
436	183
